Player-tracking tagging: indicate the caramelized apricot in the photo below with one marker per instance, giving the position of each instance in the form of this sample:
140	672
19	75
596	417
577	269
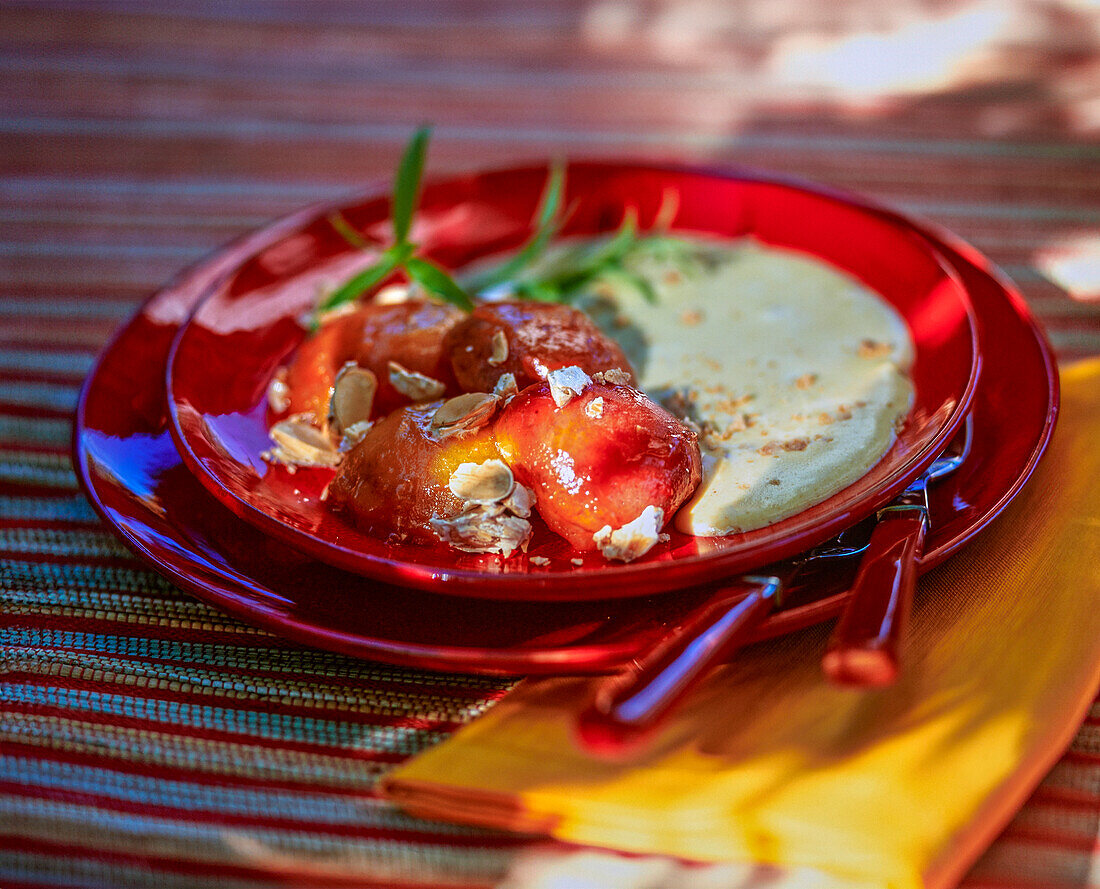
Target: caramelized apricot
596	455
394	481
527	339
409	333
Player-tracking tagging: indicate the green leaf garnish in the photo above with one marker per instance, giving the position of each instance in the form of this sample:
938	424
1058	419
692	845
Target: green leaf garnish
547	224
560	278
401	254
434	280
406	186
355	285
347	231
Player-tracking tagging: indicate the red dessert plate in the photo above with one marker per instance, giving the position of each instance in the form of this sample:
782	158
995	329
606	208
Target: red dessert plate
225	357
135	478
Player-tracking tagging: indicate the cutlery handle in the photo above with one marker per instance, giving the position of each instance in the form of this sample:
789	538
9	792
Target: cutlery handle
863	650
628	706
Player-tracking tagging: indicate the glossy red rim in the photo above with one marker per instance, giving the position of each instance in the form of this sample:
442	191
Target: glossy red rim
248	326
122	405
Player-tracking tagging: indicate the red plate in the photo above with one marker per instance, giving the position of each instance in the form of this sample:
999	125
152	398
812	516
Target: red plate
225	357
136	480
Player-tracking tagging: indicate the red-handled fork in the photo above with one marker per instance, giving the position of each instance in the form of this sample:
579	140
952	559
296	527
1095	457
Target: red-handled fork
864	648
628	707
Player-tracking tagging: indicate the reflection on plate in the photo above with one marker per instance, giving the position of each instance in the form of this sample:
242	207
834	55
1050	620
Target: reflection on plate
225	356
181	531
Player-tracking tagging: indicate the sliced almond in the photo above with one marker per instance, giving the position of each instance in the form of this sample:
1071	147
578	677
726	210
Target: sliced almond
392	294
352	397
632	540
482	483
520	502
566	383
299	443
278	392
464	414
414	385
499	347
483	529
354	434
506	386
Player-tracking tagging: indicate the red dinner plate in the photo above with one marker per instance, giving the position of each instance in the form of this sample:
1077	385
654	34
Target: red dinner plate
136	480
225	357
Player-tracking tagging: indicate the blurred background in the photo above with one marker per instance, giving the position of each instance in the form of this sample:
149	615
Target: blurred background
138	135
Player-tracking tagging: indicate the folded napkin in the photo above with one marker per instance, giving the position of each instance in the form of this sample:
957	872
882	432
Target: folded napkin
767	763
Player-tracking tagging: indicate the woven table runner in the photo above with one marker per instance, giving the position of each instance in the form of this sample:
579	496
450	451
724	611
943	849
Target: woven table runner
147	740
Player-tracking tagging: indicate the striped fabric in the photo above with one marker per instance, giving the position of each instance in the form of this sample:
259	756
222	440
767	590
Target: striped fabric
148	740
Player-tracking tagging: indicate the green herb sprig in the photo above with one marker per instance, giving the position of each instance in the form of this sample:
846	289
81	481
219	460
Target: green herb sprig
401	255
561	279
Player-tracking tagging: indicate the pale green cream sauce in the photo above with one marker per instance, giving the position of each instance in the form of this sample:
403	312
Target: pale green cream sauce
795	372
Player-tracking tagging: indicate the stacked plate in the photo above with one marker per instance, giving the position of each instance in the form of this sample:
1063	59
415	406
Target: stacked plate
172	422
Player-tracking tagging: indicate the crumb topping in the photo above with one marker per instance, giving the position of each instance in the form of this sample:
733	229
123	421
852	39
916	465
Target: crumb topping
299	443
873	349
567	383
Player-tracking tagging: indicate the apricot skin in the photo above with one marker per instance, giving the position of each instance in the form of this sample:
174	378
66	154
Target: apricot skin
540	337
394	480
410	333
590	471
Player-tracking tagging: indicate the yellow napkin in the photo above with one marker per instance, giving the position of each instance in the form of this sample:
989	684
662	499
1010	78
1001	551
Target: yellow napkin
767	763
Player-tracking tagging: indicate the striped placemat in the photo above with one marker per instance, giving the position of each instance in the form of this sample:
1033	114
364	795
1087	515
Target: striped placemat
148	740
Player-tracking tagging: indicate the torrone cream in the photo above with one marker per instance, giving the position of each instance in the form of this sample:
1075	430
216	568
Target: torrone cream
795	373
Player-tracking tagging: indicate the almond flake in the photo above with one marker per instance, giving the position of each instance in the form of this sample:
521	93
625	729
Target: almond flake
299	443
499	345
483	529
278	392
414	385
352	397
464	414
594	408
520	502
354	434
539	560
392	294
566	383
506	386
632	540
482	483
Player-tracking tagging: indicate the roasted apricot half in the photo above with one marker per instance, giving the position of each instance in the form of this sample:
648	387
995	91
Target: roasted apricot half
600	457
